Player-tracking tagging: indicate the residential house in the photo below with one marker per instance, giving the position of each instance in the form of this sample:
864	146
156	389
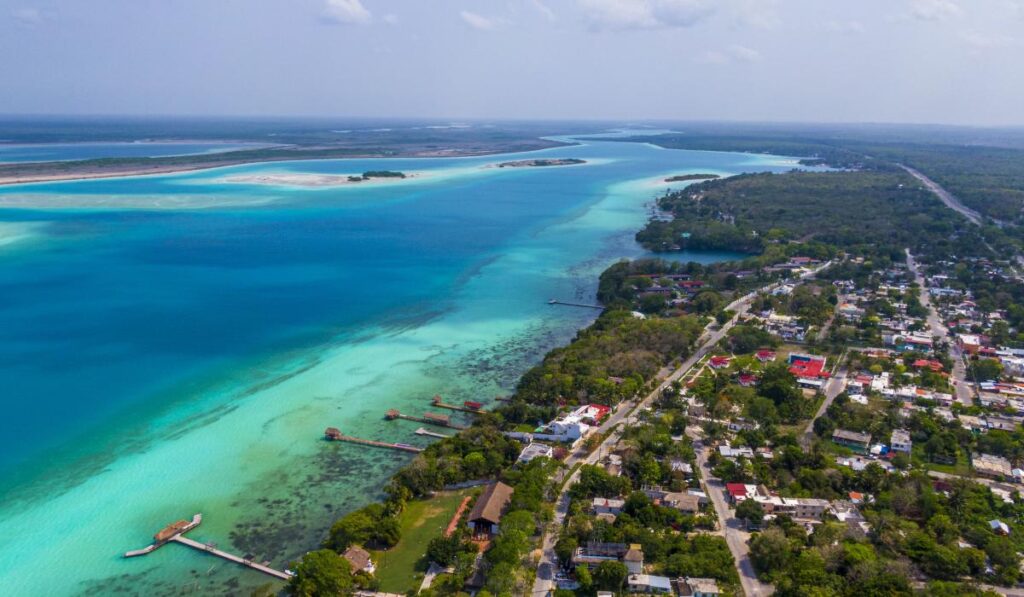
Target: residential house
993	467
535	450
359	559
697	587
607	506
852	439
900	441
648	583
681	466
719	362
593	553
486	514
684	502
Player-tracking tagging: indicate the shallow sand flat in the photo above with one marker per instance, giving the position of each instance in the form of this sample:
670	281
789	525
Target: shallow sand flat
119	202
16	232
300	179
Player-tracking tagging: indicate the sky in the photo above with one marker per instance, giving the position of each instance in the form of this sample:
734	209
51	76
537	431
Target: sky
920	61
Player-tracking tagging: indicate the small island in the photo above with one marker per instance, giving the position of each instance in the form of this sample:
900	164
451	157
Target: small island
302	179
541	163
376	174
688	177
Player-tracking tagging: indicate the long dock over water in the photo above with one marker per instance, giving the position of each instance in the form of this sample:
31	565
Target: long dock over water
335	435
231	557
176	532
428	418
581	305
428	433
475	408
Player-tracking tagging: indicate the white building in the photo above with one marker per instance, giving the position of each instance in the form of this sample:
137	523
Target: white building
648	583
534	450
900	441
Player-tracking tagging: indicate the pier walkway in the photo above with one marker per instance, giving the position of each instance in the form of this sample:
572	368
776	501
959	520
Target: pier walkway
428	433
428	418
581	305
176	532
231	557
476	408
333	434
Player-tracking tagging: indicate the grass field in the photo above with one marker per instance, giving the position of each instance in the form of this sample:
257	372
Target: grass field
399	568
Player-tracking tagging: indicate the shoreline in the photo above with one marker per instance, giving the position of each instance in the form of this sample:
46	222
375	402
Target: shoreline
278	522
97	172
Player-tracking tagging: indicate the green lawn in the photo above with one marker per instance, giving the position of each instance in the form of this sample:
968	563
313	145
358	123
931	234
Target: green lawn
399	568
961	468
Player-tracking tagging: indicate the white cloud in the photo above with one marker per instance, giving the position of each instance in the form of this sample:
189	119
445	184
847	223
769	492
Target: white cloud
762	14
27	17
733	54
645	14
934	10
478	21
347	12
390	19
744	54
543	9
982	41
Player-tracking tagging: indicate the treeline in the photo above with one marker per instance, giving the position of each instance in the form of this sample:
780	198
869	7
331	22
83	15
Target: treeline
608	362
987	178
814	151
850	210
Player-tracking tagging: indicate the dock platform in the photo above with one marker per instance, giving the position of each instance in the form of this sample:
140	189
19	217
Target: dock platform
175	532
428	418
581	305
440	403
422	431
335	435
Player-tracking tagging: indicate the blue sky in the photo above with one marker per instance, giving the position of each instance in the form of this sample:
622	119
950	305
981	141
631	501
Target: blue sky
944	61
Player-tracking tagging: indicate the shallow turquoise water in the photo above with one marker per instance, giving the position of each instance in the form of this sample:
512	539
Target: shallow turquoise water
174	344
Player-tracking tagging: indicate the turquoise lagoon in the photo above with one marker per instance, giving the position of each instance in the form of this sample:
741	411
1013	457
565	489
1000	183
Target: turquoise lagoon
178	343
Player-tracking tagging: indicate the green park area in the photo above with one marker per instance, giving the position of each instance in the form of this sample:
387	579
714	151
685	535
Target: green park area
401	568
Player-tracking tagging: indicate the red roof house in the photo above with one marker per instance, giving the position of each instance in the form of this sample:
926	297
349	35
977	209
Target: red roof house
719	362
737	491
807	366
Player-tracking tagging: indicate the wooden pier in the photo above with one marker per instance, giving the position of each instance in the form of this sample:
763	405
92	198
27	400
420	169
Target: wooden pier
428	418
334	434
176	532
422	431
465	408
581	305
210	549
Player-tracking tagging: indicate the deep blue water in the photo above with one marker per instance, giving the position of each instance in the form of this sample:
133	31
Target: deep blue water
120	313
111	306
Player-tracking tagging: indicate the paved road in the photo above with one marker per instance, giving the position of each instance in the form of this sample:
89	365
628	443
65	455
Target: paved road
945	196
1011	487
547	566
833	388
964	391
731	528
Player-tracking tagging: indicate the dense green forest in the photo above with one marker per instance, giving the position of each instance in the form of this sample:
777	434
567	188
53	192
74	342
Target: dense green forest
984	170
848	209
